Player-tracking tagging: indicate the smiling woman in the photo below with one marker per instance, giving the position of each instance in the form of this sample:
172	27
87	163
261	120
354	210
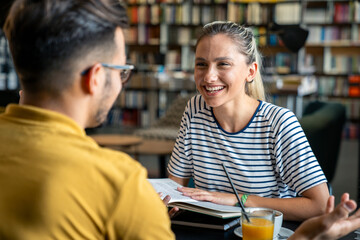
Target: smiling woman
263	145
230	59
222	73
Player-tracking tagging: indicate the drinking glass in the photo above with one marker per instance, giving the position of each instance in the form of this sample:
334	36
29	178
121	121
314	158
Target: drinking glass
261	225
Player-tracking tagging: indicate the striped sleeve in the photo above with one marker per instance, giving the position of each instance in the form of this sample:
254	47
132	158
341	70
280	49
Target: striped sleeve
296	163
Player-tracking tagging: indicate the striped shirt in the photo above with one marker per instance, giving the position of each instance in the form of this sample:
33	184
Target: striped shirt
270	157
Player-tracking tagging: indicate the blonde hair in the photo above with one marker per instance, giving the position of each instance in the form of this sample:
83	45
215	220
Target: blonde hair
244	38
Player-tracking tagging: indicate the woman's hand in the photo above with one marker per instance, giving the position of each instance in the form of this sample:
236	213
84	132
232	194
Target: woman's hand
215	197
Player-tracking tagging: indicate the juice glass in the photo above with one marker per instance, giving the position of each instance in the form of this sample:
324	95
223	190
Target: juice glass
261	225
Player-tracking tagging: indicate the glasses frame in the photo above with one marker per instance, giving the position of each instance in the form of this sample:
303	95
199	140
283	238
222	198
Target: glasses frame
126	69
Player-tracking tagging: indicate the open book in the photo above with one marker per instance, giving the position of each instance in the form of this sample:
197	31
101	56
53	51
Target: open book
168	187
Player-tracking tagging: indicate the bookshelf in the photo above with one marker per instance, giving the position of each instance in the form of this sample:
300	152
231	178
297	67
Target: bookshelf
147	96
161	42
163	33
333	48
9	83
328	65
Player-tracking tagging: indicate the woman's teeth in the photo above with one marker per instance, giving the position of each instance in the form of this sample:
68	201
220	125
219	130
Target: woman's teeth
213	89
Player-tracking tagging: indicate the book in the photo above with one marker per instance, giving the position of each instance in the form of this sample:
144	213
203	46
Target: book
288	13
168	187
193	219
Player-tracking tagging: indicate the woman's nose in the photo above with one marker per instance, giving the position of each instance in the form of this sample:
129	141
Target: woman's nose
211	75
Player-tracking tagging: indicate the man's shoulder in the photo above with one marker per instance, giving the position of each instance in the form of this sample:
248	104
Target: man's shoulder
113	160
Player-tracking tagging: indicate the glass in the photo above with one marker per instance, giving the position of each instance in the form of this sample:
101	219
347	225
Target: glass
261	225
125	70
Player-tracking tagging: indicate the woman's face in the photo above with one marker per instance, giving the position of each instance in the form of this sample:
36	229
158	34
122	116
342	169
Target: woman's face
221	70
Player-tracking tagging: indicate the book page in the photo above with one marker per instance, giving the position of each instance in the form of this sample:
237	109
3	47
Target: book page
168	187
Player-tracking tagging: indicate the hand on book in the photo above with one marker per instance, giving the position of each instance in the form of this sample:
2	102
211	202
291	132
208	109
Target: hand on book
174	211
174	198
332	225
214	197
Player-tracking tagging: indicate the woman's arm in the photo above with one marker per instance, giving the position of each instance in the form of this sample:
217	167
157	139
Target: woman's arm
181	181
312	203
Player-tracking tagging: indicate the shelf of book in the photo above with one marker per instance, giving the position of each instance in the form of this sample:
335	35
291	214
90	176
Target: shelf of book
163	33
176	23
333	48
146	97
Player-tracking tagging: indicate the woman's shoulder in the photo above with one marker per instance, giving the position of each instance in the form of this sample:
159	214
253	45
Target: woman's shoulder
197	104
273	112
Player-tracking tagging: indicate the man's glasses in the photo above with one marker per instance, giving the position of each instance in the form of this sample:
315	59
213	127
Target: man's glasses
125	71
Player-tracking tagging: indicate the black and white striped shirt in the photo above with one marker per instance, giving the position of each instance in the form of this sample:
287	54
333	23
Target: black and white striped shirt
270	157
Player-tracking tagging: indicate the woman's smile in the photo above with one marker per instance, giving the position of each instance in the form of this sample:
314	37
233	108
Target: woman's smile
213	90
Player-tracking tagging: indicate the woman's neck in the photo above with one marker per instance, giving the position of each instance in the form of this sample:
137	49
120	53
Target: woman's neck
234	116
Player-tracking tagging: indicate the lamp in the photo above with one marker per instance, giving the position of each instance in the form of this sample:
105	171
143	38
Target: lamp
293	36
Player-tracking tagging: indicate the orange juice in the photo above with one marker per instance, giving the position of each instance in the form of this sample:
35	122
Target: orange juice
258	229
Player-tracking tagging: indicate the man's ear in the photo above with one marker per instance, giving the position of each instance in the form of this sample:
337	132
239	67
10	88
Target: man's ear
253	68
92	79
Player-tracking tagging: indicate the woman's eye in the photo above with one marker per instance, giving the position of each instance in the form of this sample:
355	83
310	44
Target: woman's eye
200	64
224	64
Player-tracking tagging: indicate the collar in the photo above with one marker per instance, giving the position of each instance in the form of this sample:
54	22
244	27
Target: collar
41	116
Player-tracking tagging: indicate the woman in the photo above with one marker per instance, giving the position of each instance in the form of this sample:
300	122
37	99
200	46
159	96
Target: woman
263	145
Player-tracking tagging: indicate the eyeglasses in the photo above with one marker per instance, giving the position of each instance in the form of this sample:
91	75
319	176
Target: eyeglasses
124	73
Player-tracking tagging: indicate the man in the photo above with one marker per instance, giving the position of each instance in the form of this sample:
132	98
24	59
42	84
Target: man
57	183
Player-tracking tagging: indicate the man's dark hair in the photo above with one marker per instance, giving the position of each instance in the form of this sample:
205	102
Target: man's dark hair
4	9
50	39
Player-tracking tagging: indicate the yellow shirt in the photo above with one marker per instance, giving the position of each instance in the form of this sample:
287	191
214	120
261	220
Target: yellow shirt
57	183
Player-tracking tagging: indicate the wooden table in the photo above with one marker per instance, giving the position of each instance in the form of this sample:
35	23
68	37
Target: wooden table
137	146
116	140
161	148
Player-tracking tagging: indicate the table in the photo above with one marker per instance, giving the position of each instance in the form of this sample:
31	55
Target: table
193	233
116	140
189	233
135	145
161	148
